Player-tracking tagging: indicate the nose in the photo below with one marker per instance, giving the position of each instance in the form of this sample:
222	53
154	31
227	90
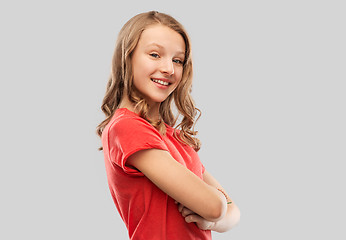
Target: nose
167	67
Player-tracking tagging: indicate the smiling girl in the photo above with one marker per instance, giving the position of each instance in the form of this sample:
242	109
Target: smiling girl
156	179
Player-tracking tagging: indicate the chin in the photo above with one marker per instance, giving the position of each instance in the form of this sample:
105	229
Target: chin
157	99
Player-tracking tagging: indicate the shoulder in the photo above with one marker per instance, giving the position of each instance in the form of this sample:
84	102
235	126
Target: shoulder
124	118
126	123
128	133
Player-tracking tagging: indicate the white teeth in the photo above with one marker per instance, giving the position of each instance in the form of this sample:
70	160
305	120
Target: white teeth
160	82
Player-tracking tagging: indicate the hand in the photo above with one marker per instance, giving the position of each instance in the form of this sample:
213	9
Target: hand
191	216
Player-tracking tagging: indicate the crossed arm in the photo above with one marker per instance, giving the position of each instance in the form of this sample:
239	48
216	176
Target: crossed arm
230	219
199	200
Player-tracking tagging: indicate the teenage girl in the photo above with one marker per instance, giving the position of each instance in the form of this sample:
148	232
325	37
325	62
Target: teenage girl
156	179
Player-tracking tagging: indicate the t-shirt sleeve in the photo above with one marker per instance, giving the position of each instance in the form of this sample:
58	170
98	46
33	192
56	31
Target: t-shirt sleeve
129	135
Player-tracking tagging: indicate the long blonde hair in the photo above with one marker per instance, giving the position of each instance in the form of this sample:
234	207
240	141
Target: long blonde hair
121	80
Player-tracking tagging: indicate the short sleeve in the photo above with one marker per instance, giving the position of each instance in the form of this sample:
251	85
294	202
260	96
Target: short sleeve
128	135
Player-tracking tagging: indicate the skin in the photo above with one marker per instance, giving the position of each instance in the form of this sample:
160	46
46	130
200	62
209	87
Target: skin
159	56
230	220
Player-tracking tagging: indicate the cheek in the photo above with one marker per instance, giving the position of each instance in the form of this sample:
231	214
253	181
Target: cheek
179	75
139	72
139	65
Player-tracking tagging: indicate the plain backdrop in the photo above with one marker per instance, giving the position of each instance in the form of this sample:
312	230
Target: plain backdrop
269	77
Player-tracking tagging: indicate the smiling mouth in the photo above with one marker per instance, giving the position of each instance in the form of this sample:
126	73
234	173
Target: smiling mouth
160	82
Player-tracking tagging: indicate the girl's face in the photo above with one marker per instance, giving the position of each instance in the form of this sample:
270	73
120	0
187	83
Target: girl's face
157	63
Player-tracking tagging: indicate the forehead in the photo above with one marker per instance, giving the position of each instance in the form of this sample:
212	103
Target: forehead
165	37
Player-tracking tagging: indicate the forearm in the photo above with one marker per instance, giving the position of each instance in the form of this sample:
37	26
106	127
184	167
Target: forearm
232	216
230	219
180	183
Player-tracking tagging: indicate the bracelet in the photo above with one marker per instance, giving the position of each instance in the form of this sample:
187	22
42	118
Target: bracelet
226	196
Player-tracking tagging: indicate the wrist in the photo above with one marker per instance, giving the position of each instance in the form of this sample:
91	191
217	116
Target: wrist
228	199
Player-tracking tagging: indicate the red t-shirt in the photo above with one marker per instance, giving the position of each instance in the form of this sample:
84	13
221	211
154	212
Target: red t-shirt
148	212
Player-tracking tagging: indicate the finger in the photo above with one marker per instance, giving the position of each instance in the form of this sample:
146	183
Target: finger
193	218
180	207
200	222
186	212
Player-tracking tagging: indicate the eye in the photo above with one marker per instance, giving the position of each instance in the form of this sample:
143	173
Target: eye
154	55
178	61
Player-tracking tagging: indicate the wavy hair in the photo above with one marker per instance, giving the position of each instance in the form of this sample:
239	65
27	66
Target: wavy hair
121	81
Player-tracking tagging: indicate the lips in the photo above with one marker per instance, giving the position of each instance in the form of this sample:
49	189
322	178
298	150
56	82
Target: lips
161	81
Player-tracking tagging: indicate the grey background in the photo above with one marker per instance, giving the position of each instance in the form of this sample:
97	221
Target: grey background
269	78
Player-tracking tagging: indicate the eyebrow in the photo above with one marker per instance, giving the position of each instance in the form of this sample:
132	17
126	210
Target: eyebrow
159	46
